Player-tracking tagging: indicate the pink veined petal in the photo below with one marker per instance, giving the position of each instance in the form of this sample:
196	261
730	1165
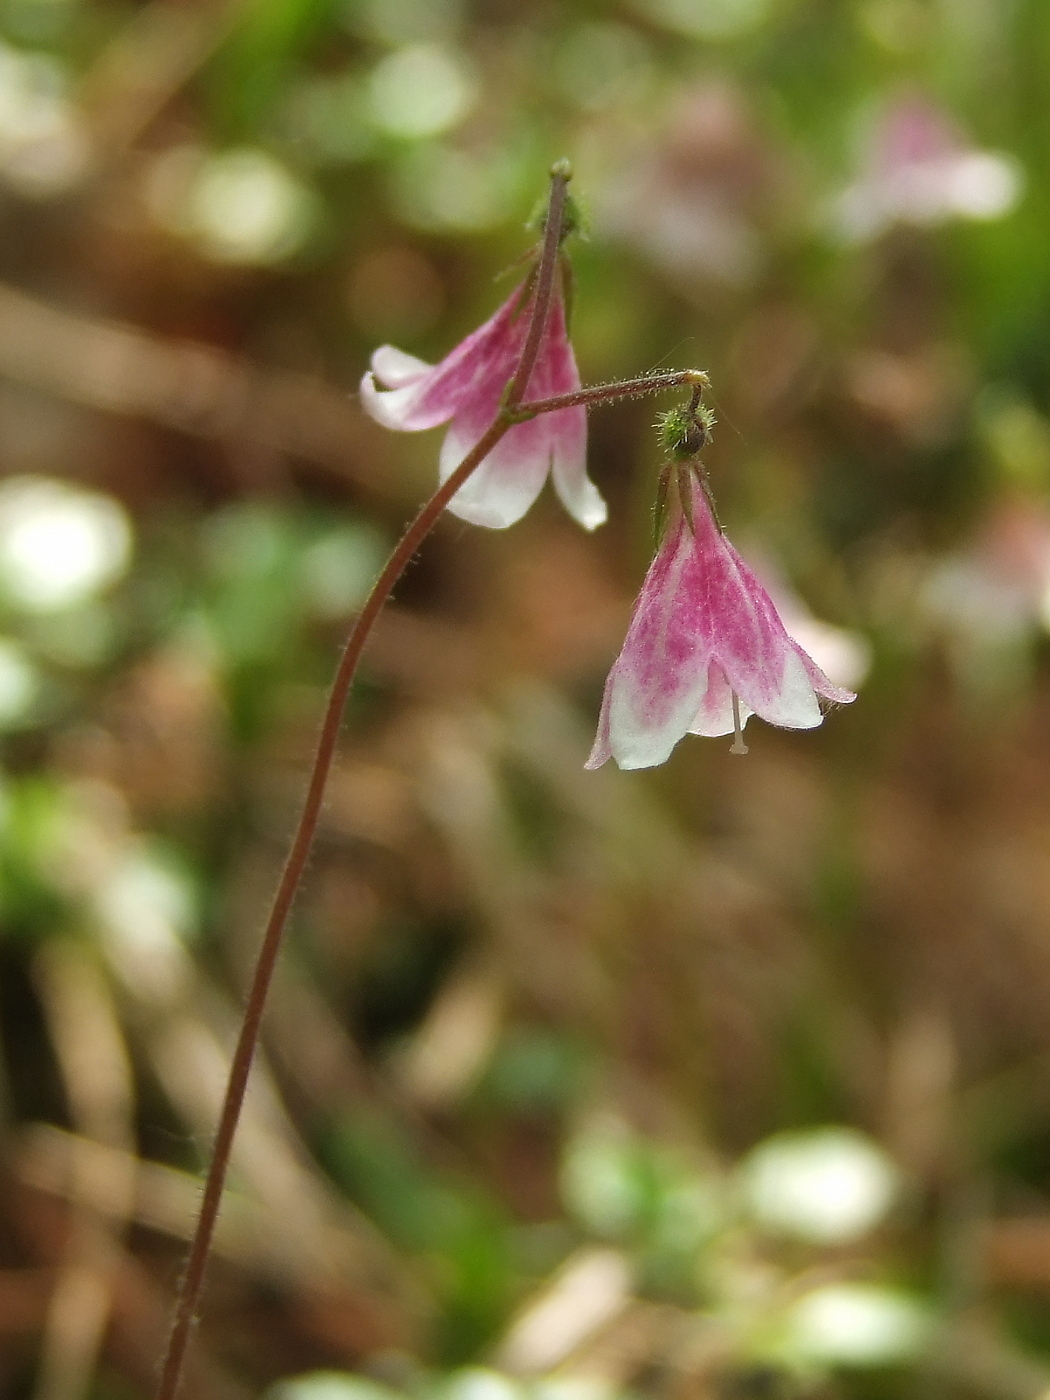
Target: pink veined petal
638	737
658	681
747	637
395	369
770	673
567	433
715	715
792	704
556	373
466	388
421	398
576	491
504	486
784	689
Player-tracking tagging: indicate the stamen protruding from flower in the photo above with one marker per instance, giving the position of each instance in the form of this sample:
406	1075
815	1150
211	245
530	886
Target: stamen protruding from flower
738	729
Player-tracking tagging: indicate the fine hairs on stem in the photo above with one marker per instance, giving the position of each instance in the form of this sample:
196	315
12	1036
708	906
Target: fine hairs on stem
512	411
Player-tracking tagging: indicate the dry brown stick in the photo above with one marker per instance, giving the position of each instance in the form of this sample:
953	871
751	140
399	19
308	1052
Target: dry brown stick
96	1070
182	384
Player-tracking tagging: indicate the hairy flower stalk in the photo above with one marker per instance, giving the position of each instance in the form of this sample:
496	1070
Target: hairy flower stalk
705	648
509	414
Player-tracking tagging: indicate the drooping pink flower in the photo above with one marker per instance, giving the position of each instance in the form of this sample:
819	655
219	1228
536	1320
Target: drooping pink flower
465	389
705	650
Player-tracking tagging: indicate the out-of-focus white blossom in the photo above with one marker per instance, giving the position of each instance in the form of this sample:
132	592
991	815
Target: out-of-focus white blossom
59	544
828	1185
43	145
856	1324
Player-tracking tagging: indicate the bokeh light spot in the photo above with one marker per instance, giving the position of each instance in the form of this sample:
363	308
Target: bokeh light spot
708	19
43	147
443	190
422	90
603	65
19	683
246	207
856	1324
829	1186
239	206
406	21
59	544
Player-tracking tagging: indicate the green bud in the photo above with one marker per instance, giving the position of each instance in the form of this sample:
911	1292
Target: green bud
684	431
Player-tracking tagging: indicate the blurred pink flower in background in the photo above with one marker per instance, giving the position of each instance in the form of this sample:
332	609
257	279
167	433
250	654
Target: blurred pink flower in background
705	640
693	198
997	589
918	168
843	655
465	390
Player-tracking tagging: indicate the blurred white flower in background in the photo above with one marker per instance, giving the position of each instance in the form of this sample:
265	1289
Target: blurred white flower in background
43	146
843	655
856	1324
481	1383
146	914
828	1185
59	544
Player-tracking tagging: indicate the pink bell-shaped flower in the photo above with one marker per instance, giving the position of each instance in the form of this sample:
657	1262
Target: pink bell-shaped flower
705	650
465	390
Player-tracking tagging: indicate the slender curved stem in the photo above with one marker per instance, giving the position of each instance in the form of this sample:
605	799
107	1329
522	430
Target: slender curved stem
510	414
247	1040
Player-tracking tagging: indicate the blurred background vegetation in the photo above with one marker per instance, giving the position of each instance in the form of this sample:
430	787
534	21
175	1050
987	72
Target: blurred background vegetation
728	1080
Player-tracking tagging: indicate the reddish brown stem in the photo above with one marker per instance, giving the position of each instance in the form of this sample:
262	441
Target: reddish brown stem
247	1040
548	266
612	392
